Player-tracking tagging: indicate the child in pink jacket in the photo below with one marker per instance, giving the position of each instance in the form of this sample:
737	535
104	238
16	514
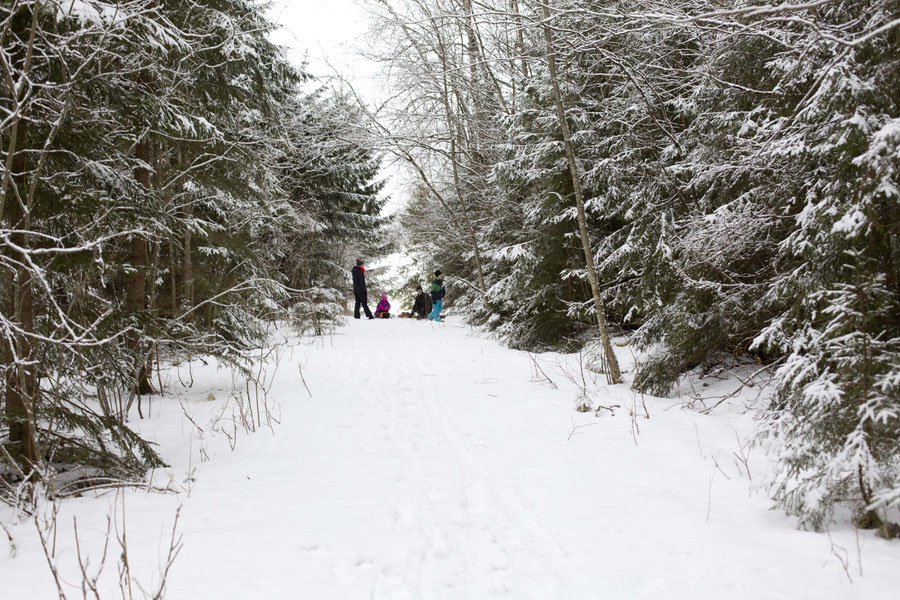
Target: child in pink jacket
382	311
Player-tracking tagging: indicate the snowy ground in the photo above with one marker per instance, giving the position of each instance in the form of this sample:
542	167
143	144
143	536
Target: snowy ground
427	462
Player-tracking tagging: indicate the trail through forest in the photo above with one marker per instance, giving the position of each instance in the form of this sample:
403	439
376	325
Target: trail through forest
428	462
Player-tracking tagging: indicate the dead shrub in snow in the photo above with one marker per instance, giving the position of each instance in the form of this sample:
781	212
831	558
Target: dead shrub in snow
90	567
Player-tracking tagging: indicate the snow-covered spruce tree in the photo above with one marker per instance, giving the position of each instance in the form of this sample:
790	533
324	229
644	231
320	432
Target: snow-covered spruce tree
618	111
727	187
634	86
68	187
788	227
195	91
218	130
835	424
634	93
140	197
545	288
332	180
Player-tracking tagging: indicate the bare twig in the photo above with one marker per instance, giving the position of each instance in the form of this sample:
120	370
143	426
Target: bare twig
175	546
12	542
841	554
742	457
539	373
303	379
575	429
124	564
49	525
716	463
194	423
611	408
699	447
89	582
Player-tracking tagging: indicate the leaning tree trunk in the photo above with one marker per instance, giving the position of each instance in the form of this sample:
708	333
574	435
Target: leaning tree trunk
613	373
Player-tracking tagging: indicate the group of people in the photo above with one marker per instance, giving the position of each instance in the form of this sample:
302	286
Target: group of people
425	306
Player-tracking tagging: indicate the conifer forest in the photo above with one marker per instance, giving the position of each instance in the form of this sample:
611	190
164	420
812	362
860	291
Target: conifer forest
650	200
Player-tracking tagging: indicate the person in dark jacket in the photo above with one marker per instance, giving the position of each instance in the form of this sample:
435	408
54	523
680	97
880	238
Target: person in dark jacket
359	289
437	296
422	304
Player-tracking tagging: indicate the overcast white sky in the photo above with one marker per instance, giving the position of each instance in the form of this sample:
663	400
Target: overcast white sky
320	30
328	33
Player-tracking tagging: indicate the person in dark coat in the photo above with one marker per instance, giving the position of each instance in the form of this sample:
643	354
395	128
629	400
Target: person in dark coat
359	289
422	304
437	296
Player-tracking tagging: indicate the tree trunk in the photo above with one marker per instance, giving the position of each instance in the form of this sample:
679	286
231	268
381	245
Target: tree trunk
520	36
136	299
613	373
22	427
173	280
471	44
6	344
21	384
466	220
15	94
187	273
188	269
457	183
18	353
478	60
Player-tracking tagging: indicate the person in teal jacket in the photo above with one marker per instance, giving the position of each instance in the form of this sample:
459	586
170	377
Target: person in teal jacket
437	296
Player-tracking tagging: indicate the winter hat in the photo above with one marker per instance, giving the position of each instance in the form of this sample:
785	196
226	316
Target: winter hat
359	262
438	273
384	296
418	288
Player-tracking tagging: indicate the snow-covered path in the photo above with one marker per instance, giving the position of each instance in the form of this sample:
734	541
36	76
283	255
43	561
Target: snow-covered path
429	464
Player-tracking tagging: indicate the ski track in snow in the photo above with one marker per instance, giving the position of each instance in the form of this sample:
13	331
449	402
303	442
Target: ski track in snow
428	465
455	533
